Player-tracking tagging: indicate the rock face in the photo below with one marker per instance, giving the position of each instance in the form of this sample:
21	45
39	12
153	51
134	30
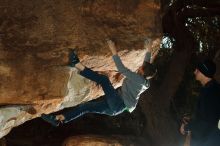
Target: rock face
35	35
95	140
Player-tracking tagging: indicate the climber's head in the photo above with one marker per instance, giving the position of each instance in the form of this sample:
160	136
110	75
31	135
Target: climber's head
147	70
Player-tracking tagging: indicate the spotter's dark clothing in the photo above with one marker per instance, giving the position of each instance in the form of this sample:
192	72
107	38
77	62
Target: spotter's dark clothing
207	114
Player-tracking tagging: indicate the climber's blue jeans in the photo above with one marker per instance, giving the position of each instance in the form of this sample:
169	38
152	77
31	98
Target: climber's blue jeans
110	104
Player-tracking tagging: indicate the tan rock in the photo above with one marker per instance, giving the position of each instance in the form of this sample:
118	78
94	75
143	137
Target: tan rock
33	55
97	140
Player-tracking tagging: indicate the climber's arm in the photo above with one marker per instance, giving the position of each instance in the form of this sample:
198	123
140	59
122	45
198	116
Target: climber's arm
152	50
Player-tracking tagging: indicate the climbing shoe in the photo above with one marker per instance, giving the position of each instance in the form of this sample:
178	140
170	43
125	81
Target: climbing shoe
73	58
50	119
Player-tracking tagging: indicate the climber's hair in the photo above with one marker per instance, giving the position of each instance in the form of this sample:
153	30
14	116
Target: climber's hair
149	70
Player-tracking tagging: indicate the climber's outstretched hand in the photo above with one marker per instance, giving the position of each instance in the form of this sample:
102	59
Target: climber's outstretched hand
153	47
112	47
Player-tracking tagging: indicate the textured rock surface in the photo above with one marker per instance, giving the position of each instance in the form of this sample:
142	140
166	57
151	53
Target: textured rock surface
95	140
34	36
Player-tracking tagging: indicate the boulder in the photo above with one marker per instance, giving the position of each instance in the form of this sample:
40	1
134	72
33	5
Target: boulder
96	140
34	41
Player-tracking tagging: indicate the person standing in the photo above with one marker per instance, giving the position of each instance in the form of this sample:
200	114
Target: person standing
204	125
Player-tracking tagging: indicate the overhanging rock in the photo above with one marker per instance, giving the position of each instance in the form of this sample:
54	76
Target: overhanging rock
35	35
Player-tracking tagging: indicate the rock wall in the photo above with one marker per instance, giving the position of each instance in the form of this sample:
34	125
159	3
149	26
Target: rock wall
35	35
94	140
